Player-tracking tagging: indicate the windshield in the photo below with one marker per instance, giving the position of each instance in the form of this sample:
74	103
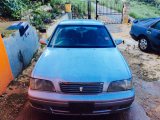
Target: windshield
81	37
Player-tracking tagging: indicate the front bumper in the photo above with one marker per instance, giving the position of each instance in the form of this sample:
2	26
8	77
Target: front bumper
62	104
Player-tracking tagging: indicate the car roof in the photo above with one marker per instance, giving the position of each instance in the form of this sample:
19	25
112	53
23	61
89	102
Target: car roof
81	22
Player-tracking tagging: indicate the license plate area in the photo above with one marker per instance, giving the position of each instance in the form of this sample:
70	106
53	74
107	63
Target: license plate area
81	107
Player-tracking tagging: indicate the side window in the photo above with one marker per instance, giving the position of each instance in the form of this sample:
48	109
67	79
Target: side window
156	26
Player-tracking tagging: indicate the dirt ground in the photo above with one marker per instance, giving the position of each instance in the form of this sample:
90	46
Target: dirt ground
146	78
15	97
145	68
4	25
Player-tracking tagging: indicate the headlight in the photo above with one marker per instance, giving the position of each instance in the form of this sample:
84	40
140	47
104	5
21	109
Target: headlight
42	85
122	85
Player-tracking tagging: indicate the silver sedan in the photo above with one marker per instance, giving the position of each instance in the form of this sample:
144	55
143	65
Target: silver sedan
81	72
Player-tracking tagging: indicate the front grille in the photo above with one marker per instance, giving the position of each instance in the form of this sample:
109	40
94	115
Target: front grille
81	88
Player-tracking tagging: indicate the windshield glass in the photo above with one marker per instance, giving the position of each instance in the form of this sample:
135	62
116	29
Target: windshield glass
81	37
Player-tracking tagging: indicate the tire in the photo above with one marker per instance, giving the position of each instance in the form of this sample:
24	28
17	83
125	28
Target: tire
144	44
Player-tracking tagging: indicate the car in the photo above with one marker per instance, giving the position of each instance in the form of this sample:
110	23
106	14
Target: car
147	33
81	72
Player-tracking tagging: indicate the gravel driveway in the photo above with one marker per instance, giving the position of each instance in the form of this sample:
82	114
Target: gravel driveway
145	68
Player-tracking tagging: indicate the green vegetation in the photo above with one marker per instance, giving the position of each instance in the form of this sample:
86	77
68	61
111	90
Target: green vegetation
13	8
143	9
138	8
113	4
35	10
5	33
39	17
79	7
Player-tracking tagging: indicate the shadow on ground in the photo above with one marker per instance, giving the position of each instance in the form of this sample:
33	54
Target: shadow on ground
36	115
136	112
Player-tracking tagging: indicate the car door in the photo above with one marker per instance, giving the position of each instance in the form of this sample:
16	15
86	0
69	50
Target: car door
153	34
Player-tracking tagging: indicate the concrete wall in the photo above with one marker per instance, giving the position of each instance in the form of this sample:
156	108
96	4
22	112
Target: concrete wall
20	49
125	12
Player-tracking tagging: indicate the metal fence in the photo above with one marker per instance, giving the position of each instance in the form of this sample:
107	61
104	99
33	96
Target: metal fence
110	12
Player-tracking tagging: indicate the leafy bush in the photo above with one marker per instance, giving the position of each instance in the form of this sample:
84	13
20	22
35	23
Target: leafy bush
13	8
79	7
57	5
39	18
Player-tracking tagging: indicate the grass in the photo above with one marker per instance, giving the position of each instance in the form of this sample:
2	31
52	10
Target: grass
112	4
137	9
3	30
143	10
80	7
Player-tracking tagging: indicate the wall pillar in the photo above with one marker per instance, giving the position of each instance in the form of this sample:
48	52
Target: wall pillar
125	16
68	9
70	15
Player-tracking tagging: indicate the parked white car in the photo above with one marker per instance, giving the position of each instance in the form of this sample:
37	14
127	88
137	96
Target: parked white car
81	72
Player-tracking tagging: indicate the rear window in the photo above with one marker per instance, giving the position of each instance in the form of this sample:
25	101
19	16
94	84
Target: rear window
81	37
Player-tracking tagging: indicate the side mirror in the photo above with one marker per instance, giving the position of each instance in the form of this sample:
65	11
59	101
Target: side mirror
44	42
119	41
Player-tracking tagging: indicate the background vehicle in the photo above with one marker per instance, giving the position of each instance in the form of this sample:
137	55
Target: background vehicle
81	72
147	33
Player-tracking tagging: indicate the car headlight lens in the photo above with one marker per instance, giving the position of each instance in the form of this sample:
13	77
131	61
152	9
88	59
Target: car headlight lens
42	85
122	85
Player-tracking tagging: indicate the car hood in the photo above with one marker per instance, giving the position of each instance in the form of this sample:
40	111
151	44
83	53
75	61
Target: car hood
145	22
81	65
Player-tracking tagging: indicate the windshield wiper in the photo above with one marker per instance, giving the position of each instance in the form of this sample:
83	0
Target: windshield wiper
83	46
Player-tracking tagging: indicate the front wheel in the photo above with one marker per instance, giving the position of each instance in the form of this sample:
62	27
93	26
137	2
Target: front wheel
144	44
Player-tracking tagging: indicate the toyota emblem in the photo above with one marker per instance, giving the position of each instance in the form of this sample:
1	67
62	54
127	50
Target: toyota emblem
81	89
